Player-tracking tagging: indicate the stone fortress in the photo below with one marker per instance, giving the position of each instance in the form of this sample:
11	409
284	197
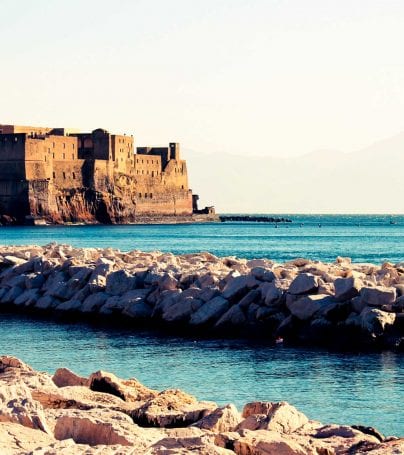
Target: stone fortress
57	175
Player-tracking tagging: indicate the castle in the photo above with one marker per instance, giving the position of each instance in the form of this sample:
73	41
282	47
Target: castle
58	175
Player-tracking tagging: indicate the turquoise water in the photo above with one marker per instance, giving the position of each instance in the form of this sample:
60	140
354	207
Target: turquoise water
366	388
347	388
365	238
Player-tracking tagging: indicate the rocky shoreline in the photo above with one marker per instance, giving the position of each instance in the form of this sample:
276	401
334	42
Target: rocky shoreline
102	414
337	304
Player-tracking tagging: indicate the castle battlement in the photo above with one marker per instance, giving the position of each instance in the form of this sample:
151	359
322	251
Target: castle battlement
64	175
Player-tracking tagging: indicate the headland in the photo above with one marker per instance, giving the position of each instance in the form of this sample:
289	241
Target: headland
340	304
59	175
66	413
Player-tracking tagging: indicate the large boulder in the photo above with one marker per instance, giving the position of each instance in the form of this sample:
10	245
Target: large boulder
134	304
378	296
271	293
127	390
347	288
306	307
201	445
281	417
375	321
94	302
108	428
78	397
120	282
63	377
263	442
236	288
28	298
171	408
138	310
234	317
225	418
167	282
304	283
18	439
34	280
182	309
210	312
17	406
12	294
262	274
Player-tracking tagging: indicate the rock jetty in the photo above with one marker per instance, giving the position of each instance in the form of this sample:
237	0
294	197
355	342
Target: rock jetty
68	414
300	301
253	219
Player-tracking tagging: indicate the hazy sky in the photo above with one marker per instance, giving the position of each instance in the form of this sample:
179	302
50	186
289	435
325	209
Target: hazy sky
274	77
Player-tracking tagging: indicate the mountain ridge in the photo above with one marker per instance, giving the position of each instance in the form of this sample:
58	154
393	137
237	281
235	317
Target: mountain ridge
324	181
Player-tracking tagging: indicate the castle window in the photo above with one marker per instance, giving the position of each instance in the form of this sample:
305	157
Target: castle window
145	195
53	144
151	195
64	175
53	155
140	194
182	187
73	175
45	158
64	145
147	172
142	172
73	146
54	174
64	155
72	156
48	150
152	173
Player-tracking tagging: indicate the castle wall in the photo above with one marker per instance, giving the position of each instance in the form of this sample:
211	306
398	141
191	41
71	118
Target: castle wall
122	154
16	129
147	166
68	176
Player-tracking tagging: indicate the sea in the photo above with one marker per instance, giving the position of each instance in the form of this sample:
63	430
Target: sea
344	387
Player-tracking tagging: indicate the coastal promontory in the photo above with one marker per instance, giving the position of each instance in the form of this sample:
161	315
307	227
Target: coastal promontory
59	175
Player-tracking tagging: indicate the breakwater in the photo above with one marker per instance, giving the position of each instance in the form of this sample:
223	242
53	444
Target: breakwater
102	413
253	219
301	301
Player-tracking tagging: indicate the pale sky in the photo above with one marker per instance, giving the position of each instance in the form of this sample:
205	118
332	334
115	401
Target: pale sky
258	77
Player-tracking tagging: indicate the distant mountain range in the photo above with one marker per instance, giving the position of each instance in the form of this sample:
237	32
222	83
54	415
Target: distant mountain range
370	180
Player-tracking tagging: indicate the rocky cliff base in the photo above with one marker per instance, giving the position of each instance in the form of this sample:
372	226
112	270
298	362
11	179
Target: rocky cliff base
102	414
302	301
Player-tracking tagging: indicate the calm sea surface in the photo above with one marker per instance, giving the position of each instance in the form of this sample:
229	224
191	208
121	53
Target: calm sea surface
366	388
365	238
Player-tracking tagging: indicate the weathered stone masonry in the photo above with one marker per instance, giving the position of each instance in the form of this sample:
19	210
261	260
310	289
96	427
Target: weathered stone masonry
61	175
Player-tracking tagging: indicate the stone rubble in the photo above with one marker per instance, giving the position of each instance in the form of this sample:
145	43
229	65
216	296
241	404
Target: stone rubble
301	301
145	422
